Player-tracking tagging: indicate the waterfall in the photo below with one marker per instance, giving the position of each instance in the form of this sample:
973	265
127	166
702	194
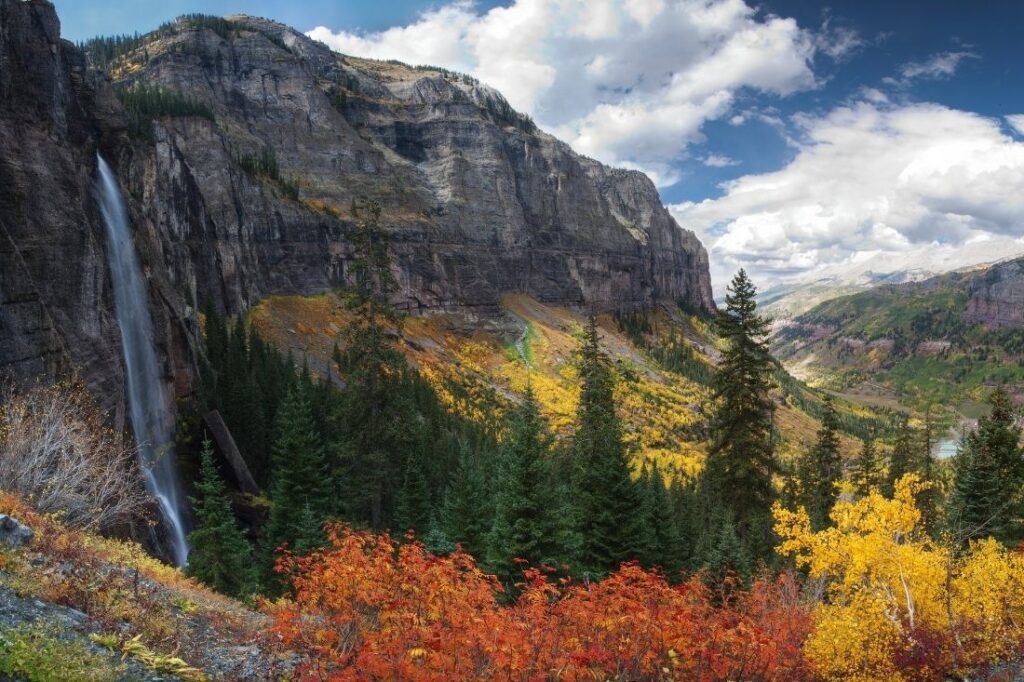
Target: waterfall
147	400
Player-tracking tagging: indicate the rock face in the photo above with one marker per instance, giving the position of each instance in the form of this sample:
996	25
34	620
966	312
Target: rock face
997	296
478	202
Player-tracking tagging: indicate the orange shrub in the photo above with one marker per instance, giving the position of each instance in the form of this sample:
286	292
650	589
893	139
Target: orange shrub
367	608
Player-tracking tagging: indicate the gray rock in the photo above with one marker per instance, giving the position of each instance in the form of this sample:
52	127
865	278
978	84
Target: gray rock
478	202
13	532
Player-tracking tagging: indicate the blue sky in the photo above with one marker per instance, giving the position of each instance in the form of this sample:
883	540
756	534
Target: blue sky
795	138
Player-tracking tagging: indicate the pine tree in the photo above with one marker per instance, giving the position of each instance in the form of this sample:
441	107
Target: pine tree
988	468
300	476
902	460
525	526
865	469
928	499
604	512
221	557
822	468
740	465
468	505
726	553
660	531
376	419
414	508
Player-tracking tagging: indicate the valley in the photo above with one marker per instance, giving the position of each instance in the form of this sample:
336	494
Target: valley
321	366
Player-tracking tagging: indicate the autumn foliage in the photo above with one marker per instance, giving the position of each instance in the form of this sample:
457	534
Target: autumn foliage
369	608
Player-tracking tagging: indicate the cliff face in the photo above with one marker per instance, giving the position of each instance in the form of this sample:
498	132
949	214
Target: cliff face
478	202
997	296
55	300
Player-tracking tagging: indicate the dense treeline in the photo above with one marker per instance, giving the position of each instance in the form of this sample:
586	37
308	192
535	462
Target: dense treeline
104	51
371	445
145	102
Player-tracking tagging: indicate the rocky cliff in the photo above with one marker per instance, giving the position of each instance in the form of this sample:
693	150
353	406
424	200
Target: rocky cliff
997	296
55	298
479	202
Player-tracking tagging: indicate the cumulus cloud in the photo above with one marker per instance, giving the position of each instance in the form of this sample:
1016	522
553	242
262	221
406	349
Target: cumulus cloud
870	177
629	82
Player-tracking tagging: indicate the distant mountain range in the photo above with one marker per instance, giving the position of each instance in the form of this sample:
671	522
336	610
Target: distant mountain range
796	296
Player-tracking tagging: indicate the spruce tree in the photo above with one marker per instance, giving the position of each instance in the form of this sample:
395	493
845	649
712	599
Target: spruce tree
525	525
468	512
221	557
902	459
376	419
660	531
928	499
604	499
865	468
988	476
822	468
739	468
300	489
414	508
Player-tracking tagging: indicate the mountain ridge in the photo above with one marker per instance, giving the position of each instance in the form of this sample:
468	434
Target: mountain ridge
252	198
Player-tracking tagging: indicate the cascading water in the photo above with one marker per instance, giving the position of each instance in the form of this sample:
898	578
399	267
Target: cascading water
147	400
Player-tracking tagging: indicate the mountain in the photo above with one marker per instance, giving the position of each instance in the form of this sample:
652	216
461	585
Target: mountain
798	295
940	340
241	145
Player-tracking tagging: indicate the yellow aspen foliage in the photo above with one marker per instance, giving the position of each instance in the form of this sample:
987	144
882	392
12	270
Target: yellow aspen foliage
895	604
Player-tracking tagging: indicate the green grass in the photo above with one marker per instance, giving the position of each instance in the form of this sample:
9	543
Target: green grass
34	654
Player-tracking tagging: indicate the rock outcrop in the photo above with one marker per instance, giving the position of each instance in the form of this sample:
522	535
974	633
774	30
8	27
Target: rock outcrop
478	202
997	296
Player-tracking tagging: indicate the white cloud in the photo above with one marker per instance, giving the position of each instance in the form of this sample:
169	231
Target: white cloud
870	177
719	161
575	65
1016	122
938	66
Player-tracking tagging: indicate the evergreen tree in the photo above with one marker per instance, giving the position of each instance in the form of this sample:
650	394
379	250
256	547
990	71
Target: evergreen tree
300	490
725	553
987	490
659	529
604	513
739	468
468	505
436	540
376	418
902	459
414	508
822	468
928	500
221	556
525	524
865	469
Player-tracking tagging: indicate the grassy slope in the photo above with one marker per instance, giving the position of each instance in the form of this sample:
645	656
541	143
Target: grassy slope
146	612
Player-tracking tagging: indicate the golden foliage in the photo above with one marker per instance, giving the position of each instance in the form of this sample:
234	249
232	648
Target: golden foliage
897	605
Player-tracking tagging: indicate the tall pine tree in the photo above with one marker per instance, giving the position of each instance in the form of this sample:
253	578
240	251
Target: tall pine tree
822	468
739	469
604	513
903	458
301	493
865	467
989	468
221	557
526	525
